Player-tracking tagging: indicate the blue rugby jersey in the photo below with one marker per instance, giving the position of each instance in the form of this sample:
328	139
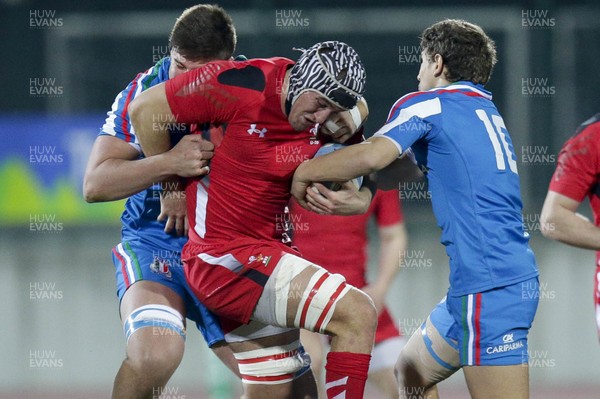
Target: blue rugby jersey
142	209
461	142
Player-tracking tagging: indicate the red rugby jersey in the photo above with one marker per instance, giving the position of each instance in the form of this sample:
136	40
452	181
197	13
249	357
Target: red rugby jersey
251	172
577	173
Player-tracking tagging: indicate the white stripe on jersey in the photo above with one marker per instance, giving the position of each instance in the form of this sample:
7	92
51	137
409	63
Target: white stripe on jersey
139	88
452	87
422	110
129	267
464	87
109	123
227	261
471	332
201	202
109	126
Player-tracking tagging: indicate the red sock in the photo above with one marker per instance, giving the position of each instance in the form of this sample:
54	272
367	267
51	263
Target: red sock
346	375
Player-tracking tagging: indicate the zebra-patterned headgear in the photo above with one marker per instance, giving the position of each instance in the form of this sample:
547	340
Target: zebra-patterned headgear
333	69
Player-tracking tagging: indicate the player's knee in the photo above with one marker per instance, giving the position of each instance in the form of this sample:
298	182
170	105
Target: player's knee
425	360
159	359
362	310
155	337
156	353
401	369
355	314
307	296
411	383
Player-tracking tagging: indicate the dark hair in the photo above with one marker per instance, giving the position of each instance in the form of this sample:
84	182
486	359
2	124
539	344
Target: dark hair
204	32
468	53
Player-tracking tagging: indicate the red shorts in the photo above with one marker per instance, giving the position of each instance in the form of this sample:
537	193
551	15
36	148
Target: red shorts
386	328
229	277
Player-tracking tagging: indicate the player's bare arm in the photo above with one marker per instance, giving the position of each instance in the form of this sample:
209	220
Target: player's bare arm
560	221
188	161
393	245
143	110
114	171
343	165
154	139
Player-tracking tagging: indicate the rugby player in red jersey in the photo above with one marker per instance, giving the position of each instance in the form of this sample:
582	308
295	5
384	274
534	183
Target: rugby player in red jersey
577	176
235	260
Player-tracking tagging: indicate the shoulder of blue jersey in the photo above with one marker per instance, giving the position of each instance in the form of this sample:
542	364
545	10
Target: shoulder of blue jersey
328	149
410	99
438	92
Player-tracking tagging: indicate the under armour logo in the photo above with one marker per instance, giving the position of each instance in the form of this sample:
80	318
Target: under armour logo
253	129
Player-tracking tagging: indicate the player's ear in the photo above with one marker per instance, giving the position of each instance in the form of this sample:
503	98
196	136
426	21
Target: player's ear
439	65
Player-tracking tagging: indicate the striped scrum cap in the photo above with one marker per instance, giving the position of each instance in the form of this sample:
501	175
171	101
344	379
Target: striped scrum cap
333	69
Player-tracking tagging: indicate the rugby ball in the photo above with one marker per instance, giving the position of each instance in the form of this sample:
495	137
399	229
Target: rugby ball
328	149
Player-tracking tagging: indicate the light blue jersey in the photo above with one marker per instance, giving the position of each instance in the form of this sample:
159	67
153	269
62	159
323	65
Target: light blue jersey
146	252
461	142
141	210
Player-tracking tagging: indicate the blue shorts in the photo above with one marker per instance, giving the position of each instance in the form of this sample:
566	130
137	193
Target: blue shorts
136	262
443	322
489	328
